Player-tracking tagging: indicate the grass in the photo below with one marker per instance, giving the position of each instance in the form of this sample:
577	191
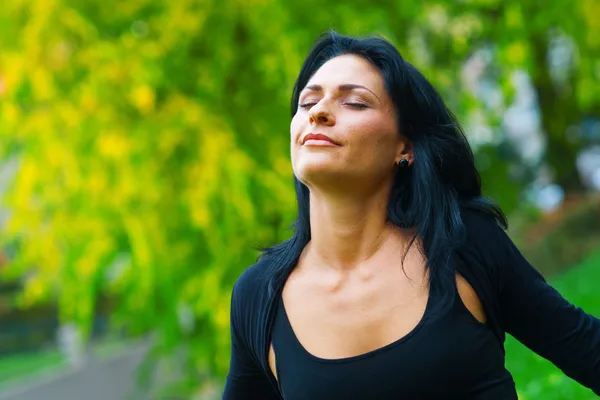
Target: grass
537	378
19	366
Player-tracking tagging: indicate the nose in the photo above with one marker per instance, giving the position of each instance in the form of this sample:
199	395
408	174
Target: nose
319	116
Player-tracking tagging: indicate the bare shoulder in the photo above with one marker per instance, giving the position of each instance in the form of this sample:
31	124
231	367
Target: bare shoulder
470	298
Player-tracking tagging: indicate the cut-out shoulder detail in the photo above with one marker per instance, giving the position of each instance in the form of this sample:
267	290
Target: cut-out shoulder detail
470	299
273	362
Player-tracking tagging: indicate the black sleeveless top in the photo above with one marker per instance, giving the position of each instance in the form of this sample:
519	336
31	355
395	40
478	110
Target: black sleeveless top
449	357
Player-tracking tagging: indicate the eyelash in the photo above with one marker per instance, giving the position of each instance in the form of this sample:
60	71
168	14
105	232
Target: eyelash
357	105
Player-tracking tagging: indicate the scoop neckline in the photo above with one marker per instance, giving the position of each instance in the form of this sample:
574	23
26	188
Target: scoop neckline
361	356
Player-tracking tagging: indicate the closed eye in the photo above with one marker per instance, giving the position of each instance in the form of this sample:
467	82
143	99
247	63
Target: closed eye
357	105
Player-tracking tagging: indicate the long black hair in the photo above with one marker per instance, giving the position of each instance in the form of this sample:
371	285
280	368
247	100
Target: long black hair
429	195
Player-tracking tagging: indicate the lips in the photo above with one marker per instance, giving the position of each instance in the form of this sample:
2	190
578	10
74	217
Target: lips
317	136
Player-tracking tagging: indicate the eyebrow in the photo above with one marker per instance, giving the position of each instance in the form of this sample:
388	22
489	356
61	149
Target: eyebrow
346	87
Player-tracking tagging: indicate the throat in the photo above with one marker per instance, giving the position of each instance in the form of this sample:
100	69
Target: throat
363	260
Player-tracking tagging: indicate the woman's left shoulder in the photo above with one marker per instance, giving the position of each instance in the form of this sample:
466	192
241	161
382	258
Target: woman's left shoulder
486	248
478	223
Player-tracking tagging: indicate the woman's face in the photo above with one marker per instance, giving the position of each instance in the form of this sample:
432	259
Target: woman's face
346	101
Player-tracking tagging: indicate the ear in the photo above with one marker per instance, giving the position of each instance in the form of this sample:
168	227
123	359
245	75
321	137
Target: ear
404	150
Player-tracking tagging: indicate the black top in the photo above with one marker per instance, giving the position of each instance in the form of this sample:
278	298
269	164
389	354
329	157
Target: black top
450	357
453	357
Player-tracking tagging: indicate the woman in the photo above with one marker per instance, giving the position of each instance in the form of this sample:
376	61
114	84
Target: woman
399	281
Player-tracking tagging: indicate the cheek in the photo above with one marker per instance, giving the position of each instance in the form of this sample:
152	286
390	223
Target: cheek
388	134
295	132
295	127
377	143
378	134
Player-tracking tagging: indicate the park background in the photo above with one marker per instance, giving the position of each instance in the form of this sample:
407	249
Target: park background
144	156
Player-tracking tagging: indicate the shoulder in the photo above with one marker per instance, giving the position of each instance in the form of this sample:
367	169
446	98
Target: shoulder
489	250
484	233
480	224
253	278
485	243
252	284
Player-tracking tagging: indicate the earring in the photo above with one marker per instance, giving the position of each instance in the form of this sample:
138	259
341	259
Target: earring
403	164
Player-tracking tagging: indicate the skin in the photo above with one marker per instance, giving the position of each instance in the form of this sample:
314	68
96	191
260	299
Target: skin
348	294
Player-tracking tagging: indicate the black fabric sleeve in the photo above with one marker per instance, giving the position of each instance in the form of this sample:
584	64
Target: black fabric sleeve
539	316
246	379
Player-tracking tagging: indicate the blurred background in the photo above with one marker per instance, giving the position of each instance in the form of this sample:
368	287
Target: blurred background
144	156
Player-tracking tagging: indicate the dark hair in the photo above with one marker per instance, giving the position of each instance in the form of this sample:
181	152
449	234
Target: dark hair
429	195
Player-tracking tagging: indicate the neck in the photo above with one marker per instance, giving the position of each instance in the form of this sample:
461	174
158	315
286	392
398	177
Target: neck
347	231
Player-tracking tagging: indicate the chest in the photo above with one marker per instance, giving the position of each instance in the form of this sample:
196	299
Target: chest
347	326
449	355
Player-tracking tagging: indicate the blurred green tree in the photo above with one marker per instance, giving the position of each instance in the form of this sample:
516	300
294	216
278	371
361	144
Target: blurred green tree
151	137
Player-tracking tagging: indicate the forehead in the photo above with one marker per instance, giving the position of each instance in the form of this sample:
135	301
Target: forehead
348	69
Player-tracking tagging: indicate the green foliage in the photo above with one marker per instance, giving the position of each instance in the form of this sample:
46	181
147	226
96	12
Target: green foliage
131	180
151	138
563	239
15	367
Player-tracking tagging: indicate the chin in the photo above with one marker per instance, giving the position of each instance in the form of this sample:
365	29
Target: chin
318	173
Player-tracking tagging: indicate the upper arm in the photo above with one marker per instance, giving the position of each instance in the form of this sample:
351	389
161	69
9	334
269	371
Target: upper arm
245	379
537	315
